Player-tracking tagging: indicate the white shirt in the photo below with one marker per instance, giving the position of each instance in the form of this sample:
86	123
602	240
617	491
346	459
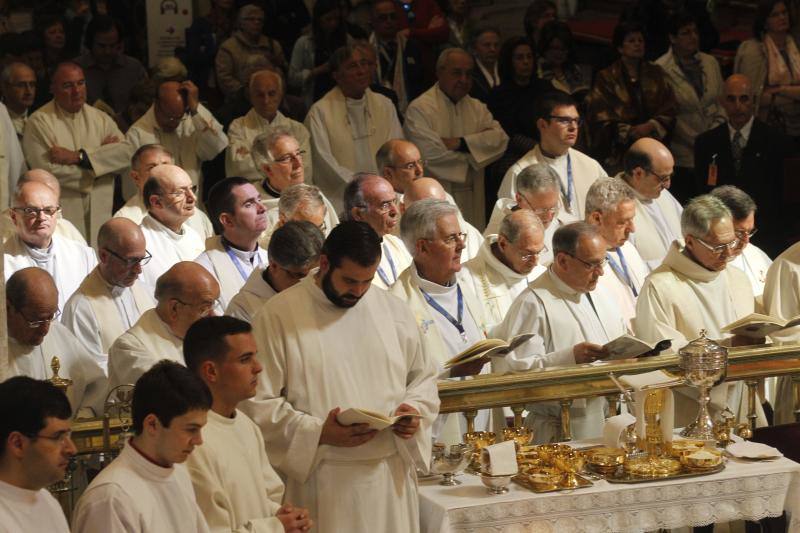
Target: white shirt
30	510
745	131
134	210
623	277
251	297
167	248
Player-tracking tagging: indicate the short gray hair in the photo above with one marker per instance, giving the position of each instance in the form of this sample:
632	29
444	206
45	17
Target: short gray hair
5	75
605	194
353	195
419	220
293	196
384	157
516	222
536	178
740	204
566	238
261	151
445	55
296	244
264	72
700	213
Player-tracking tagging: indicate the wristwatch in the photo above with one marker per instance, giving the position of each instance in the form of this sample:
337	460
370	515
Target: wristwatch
83	159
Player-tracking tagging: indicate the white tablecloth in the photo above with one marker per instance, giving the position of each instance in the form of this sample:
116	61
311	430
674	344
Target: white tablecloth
743	491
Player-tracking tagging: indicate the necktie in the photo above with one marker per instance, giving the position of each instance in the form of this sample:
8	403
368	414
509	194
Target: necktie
737	146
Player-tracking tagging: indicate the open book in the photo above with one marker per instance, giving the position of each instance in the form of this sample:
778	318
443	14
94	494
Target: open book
486	348
627	347
756	325
375	420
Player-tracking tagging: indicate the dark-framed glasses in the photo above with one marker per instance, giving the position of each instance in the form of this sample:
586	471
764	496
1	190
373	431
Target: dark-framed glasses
33	212
567	121
661	179
131	262
61	437
591	266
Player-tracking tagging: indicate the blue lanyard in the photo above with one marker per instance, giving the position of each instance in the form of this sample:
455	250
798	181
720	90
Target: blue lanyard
236	261
382	274
623	271
570	185
457	323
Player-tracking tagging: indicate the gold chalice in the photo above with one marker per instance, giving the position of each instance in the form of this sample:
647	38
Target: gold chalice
547	452
522	436
570	463
478	440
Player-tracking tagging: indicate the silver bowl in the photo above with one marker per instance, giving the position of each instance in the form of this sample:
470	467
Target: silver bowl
496	484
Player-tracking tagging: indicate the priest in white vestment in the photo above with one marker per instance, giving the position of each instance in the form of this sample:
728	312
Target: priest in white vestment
610	206
143	161
232	256
457	135
694	289
171	201
538	190
35	214
370	198
81	146
293	252
558	122
236	488
506	264
36	451
35	338
185	293
111	298
266	93
146	488
12	161
571	318
328	344
348	125
648	170
179	122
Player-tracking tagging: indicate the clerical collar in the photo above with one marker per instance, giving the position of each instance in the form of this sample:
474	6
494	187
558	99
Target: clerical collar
431	287
39	255
161	226
683	264
549	155
562	287
244	254
115	290
268	188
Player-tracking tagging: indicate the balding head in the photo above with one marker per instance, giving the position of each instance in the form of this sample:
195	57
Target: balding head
170	196
31	296
185	293
421	189
19	86
121	250
169	106
35	213
370	198
68	86
454	73
520	240
40	175
400	162
266	93
648	167
737	99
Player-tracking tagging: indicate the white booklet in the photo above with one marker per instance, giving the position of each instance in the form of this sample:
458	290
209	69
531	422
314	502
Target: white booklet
486	348
628	347
375	420
757	326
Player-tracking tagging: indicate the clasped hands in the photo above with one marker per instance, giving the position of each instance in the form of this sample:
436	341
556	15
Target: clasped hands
64	156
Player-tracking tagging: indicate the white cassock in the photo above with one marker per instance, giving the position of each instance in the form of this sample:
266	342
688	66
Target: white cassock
345	136
134	210
196	139
680	298
318	356
441	337
230	266
251	297
782	300
755	263
495	284
236	488
98	313
270	202
433	116
577	172
149	341
559	317
133	494
12	162
167	248
243	131
394	260
88	389
505	206
623	278
30	510
87	195
67	261
64	227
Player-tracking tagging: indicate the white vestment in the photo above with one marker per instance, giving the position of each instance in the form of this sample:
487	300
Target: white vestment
251	297
584	171
98	313
755	263
135	495
64	227
196	139
623	278
243	131
270	202
345	136
680	298
12	162
318	356
67	261
230	266
433	116
658	224
167	248
30	510
394	260
495	284
86	194
559	317
237	489
472	246
149	341
134	210
88	389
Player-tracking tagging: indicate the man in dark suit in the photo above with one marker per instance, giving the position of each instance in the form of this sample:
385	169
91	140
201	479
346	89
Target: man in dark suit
485	48
747	153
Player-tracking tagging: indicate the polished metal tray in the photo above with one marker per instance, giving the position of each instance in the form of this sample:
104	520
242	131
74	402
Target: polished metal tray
523	480
623	477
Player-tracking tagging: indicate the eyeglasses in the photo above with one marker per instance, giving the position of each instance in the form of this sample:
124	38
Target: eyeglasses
540	211
451	240
204	307
661	179
298	155
133	261
182	192
412	165
591	266
720	248
34	212
741	234
386	206
61	438
529	257
567	121
34	324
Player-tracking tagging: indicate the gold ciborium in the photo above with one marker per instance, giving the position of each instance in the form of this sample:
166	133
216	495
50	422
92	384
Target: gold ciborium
570	463
521	436
704	364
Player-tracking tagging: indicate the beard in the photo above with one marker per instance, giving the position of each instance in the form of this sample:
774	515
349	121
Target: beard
345	300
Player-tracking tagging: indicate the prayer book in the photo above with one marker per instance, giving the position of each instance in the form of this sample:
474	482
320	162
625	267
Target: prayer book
757	326
375	420
628	347
486	348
